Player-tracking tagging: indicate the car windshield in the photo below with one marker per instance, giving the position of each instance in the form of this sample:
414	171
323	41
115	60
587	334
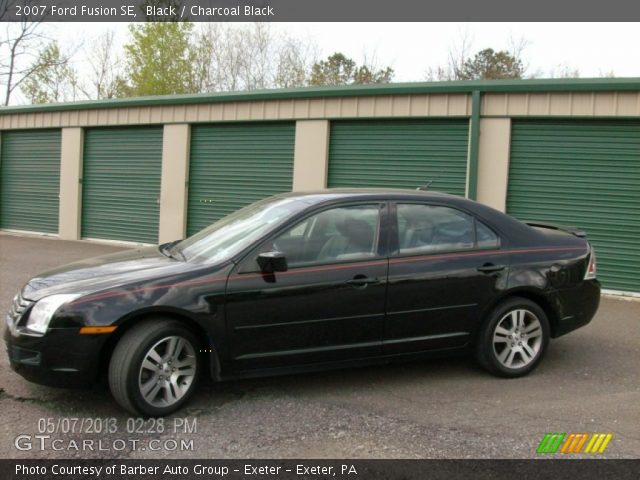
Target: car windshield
233	233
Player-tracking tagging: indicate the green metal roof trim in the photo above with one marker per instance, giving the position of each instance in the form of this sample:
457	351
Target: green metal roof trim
499	86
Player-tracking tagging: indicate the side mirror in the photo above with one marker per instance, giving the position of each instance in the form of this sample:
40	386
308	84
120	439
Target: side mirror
271	262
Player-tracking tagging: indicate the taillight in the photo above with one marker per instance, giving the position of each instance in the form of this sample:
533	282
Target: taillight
591	269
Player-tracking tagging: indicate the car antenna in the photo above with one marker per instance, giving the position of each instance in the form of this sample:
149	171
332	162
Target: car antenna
426	186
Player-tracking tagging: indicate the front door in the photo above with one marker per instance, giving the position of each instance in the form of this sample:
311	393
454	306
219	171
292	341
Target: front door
444	270
328	306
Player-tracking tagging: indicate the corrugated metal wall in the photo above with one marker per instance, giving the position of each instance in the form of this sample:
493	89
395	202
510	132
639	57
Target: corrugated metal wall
121	183
233	165
399	153
583	173
30	180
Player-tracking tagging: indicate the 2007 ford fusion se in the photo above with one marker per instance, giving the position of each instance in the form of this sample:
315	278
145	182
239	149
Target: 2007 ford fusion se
306	281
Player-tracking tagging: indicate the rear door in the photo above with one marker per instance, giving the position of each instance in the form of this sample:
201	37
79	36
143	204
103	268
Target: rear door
444	270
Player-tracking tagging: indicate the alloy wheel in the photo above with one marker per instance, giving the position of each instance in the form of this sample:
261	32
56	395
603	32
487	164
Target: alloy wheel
167	371
517	338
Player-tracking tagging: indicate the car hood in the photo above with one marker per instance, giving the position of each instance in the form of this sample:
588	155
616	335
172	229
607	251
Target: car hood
107	271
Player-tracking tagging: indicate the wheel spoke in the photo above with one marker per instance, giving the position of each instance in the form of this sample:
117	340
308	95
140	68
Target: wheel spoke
509	361
148	364
171	347
185	362
186	372
526	348
179	345
153	355
169	395
514	320
177	387
533	330
502	331
499	339
150	389
146	387
503	355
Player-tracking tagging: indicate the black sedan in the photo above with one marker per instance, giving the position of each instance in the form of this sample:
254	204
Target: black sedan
307	281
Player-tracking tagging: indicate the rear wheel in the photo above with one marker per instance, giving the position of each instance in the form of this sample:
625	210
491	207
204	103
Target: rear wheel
154	368
514	338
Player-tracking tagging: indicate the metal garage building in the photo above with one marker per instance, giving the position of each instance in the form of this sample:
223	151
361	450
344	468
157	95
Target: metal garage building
156	169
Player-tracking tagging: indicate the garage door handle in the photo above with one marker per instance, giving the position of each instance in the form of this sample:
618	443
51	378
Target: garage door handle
360	281
490	268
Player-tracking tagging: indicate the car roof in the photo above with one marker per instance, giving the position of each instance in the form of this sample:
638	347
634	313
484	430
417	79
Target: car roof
320	196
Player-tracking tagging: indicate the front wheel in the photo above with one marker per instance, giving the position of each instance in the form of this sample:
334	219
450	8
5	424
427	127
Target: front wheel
154	368
514	338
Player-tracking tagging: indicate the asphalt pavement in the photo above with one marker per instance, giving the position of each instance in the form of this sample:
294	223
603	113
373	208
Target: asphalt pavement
588	382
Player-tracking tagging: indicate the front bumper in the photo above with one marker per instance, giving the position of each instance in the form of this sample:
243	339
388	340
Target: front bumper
60	358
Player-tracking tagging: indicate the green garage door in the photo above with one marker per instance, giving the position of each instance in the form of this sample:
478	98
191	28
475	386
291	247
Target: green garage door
30	180
121	183
587	174
399	153
234	165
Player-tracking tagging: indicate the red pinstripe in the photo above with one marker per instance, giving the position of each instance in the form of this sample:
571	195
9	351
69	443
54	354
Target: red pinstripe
299	271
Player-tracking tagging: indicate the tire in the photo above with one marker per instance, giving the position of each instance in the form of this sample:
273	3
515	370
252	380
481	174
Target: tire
172	350
514	338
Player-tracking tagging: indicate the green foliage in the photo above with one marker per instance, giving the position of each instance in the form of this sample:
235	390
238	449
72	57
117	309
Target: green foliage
491	65
364	75
52	79
337	69
160	60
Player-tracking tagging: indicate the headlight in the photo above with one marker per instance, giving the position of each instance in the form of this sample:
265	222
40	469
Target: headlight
44	309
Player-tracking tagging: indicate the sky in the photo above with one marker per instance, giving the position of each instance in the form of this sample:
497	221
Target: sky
410	48
594	49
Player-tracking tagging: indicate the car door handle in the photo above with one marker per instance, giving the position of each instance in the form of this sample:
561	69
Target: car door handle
362	281
490	268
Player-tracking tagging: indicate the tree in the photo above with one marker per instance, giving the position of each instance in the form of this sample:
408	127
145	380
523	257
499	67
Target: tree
457	54
337	69
258	65
488	64
104	79
19	48
52	80
365	75
248	57
160	59
563	70
220	57
292	64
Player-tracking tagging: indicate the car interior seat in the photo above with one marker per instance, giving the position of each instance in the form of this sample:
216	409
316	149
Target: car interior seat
355	236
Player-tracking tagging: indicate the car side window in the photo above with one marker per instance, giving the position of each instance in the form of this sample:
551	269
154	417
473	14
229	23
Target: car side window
336	235
432	228
485	237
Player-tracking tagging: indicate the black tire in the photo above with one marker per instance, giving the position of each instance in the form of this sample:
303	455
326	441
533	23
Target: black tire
488	355
126	363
